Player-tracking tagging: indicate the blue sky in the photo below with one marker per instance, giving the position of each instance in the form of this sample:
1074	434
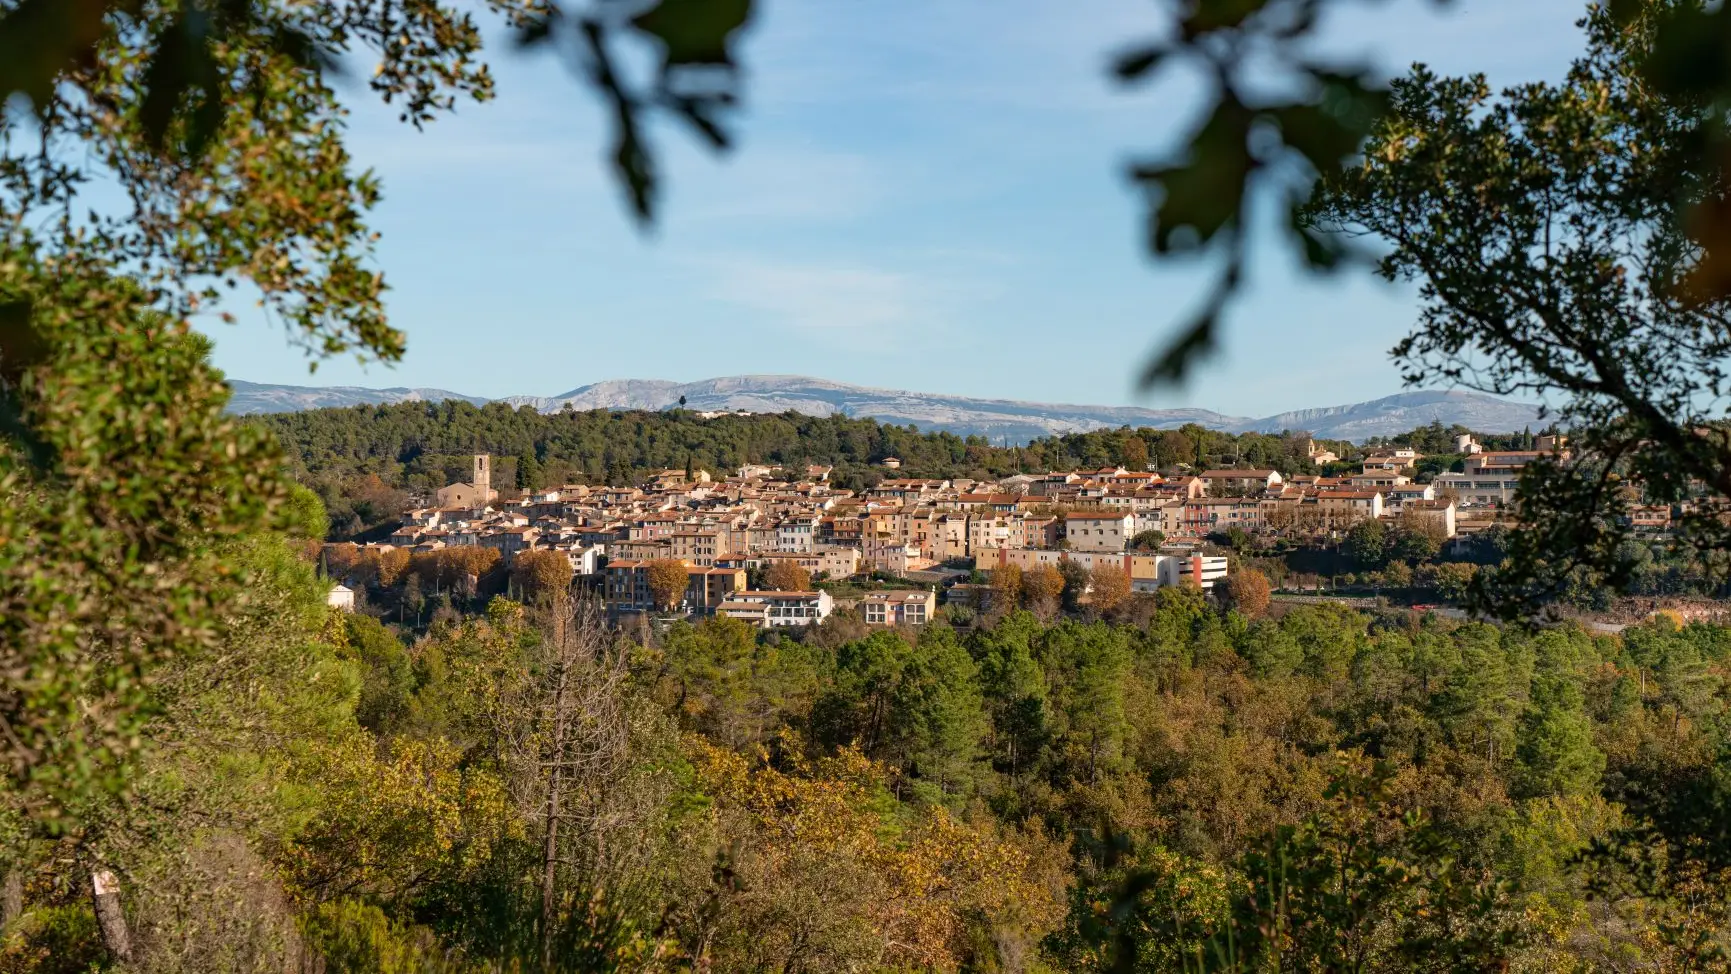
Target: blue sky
925	196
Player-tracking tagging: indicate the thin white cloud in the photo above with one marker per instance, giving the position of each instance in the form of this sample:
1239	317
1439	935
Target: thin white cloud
842	303
779	183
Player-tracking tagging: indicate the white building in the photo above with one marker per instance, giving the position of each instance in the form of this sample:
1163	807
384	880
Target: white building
774	609
797	533
1193	569
585	559
341	598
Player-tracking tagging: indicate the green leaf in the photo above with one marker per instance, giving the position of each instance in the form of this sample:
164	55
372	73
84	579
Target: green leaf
295	45
539	29
21	343
1624	12
694	31
41	38
181	57
632	161
1333	127
1132	65
1322	251
1197	339
1203	195
1214	15
698	114
1689	55
15	427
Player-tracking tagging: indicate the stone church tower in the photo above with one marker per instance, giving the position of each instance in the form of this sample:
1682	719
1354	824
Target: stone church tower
475	494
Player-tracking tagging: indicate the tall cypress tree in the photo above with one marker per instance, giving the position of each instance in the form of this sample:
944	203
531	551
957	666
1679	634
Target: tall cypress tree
528	471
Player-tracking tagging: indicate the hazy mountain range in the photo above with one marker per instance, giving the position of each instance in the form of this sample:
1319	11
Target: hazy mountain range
999	419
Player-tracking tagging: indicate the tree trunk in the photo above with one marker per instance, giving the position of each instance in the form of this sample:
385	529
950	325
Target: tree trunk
11	897
550	843
105	896
549	872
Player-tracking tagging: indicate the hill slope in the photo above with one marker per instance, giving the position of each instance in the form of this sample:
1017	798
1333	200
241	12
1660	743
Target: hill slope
1405	411
258	397
1001	420
998	419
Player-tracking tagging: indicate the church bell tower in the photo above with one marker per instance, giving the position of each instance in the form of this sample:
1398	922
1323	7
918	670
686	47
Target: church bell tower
483	477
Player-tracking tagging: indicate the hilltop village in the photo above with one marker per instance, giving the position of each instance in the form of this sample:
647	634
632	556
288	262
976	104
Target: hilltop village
758	543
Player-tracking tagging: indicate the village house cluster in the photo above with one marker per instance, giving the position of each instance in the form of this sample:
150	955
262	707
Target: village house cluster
931	530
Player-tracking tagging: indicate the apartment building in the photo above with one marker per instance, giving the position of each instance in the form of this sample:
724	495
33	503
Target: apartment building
797	532
1027	559
827	561
1239	481
893	556
901	608
1034	531
988	533
625	588
1489	478
1379	478
1395	497
1437	513
1099	530
1208	514
639	550
1196	569
1341	509
778	609
707	588
700	548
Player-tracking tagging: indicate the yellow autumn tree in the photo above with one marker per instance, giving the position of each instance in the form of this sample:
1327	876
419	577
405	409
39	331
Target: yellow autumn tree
1041	587
387	564
1249	593
387	823
830	871
785	575
667	578
542	572
1108	586
454	565
1007	586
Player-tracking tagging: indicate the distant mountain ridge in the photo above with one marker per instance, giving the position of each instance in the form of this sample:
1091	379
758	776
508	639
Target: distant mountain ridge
258	397
998	419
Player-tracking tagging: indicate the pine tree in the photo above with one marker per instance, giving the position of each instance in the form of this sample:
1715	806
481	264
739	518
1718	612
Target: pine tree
413	600
1556	747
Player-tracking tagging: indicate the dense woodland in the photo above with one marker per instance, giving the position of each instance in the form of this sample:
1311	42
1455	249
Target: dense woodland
420	443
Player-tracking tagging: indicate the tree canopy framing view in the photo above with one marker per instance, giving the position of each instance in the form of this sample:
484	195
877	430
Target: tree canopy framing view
211	765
